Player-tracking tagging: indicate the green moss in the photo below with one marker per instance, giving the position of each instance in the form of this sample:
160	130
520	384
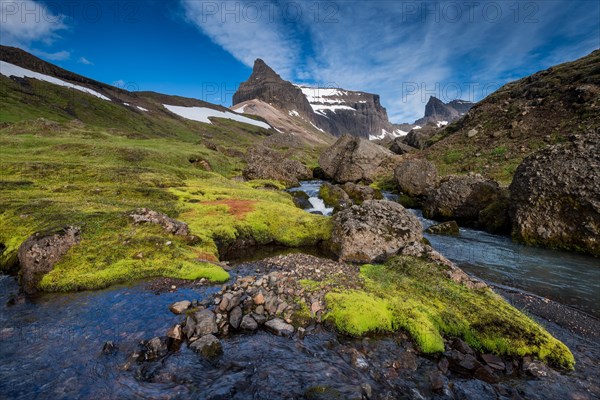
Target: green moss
416	296
357	313
452	156
62	174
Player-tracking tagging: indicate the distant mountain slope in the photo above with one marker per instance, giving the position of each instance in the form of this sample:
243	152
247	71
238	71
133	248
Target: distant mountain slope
336	111
31	87
521	117
439	113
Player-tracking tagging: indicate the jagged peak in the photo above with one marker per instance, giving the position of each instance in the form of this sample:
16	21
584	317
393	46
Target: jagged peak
262	70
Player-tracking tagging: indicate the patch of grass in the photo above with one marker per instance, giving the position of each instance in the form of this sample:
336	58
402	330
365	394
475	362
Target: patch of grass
499	151
416	296
56	174
452	156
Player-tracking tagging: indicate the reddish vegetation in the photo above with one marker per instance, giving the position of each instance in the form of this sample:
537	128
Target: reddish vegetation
203	256
237	208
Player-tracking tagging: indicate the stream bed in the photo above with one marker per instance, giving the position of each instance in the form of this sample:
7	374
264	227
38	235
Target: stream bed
51	346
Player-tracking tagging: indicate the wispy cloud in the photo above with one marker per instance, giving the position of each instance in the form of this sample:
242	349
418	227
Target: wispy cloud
404	51
83	60
25	22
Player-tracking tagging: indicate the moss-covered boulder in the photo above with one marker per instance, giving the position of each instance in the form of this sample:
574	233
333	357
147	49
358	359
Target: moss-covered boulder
334	196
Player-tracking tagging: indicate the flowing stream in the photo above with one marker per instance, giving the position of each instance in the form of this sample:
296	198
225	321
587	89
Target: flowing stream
51	345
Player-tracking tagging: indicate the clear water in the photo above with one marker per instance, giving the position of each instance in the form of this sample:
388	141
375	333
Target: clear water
568	278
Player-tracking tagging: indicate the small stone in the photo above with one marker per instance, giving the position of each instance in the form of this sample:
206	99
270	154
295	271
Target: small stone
315	307
367	390
486	374
443	365
260	310
279	327
205	323
437	381
173	287
461	346
235	317
259	318
168	243
208	346
248	323
176	332
535	368
109	347
493	361
225	302
259	299
301	333
281	308
180	306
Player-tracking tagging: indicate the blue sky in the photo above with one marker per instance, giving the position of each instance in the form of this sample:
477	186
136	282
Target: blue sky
403	50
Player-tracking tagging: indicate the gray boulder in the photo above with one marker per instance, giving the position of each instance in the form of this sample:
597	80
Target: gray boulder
399	147
266	163
374	231
444	228
279	327
470	200
555	197
41	251
416	177
352	159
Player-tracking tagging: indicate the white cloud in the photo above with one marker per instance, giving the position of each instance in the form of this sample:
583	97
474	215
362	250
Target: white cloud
120	83
247	31
83	60
57	56
389	48
25	22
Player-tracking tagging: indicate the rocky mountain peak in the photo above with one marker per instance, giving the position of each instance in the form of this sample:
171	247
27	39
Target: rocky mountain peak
440	113
261	71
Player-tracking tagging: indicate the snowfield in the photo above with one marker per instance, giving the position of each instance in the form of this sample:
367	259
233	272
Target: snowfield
320	108
202	114
8	69
396	133
142	109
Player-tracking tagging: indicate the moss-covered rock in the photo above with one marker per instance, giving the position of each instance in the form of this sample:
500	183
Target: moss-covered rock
444	228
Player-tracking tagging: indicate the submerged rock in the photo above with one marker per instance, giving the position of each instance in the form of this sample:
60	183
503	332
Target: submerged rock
300	199
374	231
180	306
444	228
555	197
38	254
208	346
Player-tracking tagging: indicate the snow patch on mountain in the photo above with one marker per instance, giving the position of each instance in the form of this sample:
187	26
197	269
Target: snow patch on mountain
396	133
202	114
8	69
142	109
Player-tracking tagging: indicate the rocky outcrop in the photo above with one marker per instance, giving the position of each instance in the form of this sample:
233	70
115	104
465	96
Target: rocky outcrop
361	193
416	177
439	113
374	231
555	196
419	138
351	159
341	111
266	85
265	163
470	200
40	252
170	225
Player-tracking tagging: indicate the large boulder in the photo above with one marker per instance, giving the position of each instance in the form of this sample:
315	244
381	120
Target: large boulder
470	200
399	147
361	193
38	254
416	177
419	138
374	231
555	197
351	159
266	163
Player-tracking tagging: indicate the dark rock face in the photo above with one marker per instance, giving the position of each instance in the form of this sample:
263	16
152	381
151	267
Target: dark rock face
266	85
555	196
336	111
468	200
399	147
351	159
374	231
300	199
38	254
340	111
265	163
170	225
416	177
438	111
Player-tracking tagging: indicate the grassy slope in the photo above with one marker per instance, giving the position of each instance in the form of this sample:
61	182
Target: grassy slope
520	118
416	296
56	171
